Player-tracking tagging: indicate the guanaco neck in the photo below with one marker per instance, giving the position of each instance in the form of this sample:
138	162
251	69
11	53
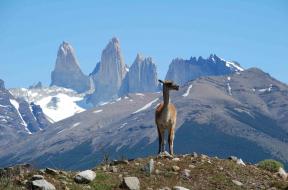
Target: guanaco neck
166	97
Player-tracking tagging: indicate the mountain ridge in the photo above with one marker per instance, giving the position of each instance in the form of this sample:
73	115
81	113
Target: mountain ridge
248	112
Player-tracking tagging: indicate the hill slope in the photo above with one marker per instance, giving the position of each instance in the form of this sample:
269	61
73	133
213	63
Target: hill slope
244	114
188	171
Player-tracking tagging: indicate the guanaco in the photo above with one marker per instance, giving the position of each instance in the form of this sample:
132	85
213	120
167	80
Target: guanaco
165	117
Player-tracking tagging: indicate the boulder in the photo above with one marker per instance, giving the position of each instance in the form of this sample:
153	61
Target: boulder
175	168
42	184
37	177
236	182
179	188
51	171
240	162
234	158
282	173
131	183
85	176
149	168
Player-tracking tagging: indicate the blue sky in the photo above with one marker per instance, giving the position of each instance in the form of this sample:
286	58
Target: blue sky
254	33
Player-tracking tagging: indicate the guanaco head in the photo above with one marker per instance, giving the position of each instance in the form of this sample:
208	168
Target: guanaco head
169	85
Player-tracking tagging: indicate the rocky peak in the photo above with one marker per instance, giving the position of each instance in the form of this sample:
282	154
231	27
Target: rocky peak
181	71
108	73
142	76
2	85
139	58
66	48
36	86
67	72
214	58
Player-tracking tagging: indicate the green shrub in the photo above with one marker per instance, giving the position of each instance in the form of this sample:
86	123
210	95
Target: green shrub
270	165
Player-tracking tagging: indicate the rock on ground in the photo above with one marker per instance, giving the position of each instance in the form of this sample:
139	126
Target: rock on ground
51	171
179	188
85	176
240	162
165	154
132	183
37	177
42	184
175	168
149	168
238	183
282	173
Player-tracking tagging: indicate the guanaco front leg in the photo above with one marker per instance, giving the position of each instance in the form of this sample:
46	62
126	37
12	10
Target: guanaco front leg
171	140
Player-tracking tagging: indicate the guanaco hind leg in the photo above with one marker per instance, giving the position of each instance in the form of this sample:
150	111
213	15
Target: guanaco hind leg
161	136
171	140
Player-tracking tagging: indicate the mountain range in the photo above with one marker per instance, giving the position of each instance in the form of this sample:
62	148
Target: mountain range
223	110
112	78
219	116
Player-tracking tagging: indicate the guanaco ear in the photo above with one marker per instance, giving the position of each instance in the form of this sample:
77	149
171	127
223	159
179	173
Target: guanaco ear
161	81
169	82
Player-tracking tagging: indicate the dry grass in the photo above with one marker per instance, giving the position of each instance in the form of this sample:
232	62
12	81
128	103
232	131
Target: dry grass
206	173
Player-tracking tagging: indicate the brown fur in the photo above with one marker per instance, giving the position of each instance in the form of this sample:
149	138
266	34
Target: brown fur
165	117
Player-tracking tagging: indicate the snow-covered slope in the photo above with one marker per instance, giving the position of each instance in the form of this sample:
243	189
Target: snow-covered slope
57	103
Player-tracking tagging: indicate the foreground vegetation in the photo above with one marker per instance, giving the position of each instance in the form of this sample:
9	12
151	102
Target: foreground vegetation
189	171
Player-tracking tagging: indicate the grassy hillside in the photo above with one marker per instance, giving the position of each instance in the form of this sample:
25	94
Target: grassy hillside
189	171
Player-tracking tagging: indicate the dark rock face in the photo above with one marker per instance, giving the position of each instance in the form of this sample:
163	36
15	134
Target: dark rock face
142	77
9	115
19	115
181	71
17	119
108	74
67	72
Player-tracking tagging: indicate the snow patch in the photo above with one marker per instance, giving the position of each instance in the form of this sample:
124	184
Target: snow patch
231	64
140	94
16	105
4	106
103	103
61	131
4	120
229	89
146	106
188	91
228	78
97	111
32	112
64	107
75	125
123	125
240	110
266	89
42	97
